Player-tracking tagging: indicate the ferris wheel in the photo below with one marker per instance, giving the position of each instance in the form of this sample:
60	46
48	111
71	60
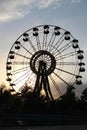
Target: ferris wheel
47	58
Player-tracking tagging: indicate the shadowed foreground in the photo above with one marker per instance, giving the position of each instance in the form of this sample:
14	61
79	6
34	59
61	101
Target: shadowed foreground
29	109
65	127
40	120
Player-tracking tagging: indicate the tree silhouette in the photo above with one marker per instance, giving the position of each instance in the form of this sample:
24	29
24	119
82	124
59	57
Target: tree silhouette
69	96
68	100
5	97
84	95
30	102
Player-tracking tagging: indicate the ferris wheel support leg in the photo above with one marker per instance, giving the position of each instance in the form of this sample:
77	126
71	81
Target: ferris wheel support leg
48	88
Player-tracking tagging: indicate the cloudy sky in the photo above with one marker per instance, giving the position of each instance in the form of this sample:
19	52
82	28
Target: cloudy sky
17	16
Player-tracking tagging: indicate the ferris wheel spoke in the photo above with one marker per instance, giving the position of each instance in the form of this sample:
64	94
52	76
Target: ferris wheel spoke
51	45
44	42
66	71
67	63
62	79
20	63
33	79
18	80
25	78
26	49
21	55
20	70
59	42
55	84
22	76
38	43
64	48
66	56
58	50
31	44
52	38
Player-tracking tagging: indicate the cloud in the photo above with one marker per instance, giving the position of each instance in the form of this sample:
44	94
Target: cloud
14	9
46	3
75	1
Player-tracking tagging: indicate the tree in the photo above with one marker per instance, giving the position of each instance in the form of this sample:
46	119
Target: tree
84	95
68	100
69	96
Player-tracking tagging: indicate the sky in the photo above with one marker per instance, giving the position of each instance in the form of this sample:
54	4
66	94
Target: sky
17	16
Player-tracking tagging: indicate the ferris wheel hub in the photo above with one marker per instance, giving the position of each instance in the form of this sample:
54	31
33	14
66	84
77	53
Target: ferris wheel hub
42	59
